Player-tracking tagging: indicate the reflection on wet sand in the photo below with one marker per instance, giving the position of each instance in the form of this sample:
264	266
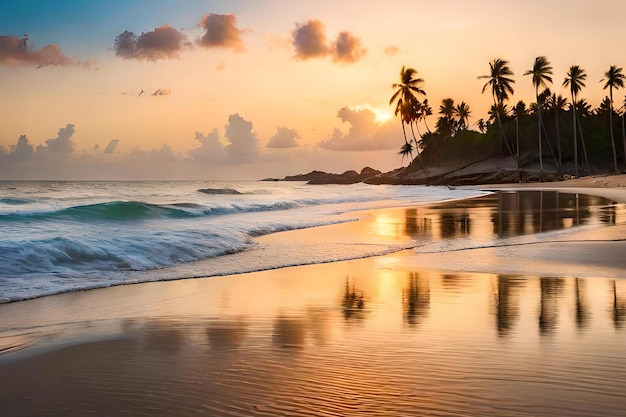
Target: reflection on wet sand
415	299
507	214
507	303
226	335
583	312
618	309
353	303
289	332
551	289
427	341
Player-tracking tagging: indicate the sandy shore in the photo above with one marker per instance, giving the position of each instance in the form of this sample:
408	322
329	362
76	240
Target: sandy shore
305	340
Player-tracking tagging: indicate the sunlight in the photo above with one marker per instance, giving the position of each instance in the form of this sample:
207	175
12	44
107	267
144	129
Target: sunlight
381	115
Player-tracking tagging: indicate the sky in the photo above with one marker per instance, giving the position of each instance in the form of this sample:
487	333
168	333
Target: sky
250	89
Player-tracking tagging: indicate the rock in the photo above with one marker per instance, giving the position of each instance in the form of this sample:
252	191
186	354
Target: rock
348	177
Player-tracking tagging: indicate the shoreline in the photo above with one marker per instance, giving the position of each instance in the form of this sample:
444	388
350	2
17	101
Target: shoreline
243	341
612	187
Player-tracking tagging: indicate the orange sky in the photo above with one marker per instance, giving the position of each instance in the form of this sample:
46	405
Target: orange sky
231	78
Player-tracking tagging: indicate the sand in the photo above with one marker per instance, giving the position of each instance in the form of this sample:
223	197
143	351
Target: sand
387	335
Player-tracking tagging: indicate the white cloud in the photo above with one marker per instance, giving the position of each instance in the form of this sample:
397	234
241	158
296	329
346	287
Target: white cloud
284	138
243	141
364	133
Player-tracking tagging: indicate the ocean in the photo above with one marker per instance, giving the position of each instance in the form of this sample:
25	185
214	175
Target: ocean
58	237
507	303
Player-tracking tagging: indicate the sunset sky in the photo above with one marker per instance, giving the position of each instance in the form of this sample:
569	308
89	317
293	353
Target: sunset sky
262	88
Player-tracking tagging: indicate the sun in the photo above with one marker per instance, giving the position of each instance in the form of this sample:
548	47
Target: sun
381	114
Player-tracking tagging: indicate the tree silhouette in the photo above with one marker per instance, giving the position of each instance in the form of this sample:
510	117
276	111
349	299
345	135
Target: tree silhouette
406	94
445	122
575	81
614	80
462	112
541	72
501	85
624	127
406	149
557	104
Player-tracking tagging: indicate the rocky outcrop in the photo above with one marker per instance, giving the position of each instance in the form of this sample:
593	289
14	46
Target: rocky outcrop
488	171
348	177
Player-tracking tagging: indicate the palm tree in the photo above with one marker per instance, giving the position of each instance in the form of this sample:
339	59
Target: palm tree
406	149
463	113
623	126
501	86
614	79
425	111
445	122
482	125
583	111
575	81
541	72
519	111
557	104
407	91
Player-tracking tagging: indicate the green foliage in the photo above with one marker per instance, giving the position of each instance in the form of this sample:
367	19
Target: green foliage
548	122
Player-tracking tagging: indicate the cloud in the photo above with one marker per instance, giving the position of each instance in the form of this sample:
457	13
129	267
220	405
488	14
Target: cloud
112	146
364	133
62	144
309	39
14	50
284	138
21	151
164	42
211	148
221	31
243	141
347	48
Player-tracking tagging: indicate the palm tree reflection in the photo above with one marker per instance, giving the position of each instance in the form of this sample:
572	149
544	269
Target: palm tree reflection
289	332
353	302
619	308
415	299
582	308
506	303
226	335
551	289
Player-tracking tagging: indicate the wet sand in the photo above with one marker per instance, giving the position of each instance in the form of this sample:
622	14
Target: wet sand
536	326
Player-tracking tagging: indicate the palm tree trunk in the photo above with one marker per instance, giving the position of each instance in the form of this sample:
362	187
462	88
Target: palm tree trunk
624	134
545	134
417	151
575	139
582	142
539	131
558	139
519	173
611	128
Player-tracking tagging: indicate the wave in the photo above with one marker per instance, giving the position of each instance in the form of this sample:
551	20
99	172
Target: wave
136	210
14	201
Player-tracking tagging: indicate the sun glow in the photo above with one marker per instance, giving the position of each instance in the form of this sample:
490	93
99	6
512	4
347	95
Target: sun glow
381	115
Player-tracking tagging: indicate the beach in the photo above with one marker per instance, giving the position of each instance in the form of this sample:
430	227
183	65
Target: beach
508	304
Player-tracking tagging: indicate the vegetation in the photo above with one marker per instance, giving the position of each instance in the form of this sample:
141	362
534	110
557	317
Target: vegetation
535	135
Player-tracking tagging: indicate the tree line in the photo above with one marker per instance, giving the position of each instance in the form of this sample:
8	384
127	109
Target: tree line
570	134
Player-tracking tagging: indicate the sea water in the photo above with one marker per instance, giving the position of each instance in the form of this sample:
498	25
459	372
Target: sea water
459	324
59	237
